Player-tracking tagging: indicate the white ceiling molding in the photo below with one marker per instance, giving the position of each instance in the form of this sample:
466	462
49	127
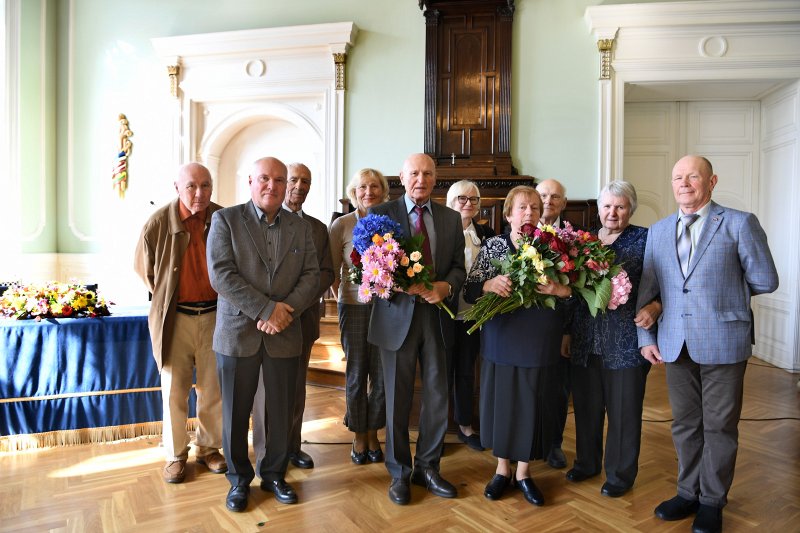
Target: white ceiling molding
701	41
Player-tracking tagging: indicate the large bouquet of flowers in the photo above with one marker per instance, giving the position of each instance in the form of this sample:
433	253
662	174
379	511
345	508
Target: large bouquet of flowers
51	300
384	261
570	257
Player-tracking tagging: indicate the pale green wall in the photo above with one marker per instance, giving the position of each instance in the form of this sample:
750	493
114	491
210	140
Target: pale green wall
112	68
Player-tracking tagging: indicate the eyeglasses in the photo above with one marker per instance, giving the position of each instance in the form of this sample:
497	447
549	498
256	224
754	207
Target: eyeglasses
471	199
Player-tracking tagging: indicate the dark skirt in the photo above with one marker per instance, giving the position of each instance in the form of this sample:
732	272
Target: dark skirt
513	406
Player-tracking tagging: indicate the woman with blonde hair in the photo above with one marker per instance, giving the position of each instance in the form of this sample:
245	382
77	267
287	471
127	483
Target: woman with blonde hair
366	408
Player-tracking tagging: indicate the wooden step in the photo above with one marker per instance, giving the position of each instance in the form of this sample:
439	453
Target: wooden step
327	365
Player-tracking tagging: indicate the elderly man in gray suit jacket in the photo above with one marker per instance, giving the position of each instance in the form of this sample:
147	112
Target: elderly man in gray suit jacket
704	263
407	328
262	263
298	186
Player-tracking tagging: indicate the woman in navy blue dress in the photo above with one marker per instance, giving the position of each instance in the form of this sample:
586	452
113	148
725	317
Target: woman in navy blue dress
608	373
517	350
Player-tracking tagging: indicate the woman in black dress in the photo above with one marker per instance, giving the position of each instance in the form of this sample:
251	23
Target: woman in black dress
517	349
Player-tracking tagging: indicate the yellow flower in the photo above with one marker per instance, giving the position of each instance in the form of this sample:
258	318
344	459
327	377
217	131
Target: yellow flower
404	261
377	239
548	228
387	236
542	280
529	252
80	302
417	268
410	272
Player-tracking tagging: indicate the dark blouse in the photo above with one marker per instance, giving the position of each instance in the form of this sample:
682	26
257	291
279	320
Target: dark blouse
526	338
612	334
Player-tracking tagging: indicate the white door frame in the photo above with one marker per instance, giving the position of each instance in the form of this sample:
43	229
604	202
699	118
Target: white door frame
712	40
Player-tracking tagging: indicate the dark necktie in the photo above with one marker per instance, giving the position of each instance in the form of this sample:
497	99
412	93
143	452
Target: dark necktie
419	227
685	242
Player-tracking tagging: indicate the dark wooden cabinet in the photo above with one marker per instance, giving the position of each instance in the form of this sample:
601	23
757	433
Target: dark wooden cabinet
468	86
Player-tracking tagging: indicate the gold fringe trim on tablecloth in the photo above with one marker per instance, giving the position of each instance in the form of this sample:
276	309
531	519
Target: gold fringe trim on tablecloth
71	437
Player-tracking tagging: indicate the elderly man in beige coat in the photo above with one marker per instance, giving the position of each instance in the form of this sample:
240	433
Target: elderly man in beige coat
171	260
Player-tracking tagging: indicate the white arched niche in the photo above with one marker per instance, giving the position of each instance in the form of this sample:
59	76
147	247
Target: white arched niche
242	95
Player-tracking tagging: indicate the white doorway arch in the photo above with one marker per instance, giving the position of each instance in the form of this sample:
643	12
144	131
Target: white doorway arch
725	43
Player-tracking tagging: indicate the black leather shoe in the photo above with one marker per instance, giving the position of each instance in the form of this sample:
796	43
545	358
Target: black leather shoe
473	441
530	491
375	456
283	492
436	484
301	460
358	458
577	476
708	519
496	487
237	498
556	458
677	508
400	491
613	491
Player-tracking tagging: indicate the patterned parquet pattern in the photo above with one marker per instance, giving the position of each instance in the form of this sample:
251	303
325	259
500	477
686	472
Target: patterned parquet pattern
118	487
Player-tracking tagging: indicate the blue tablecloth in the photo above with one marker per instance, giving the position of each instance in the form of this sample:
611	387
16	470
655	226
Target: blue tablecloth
67	374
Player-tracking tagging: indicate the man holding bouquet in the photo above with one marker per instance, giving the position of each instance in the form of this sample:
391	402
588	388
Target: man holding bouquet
407	328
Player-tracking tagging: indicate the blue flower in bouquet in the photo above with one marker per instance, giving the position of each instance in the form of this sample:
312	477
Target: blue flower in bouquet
369	226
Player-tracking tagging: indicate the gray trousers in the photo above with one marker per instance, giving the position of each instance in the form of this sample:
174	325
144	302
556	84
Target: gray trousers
424	343
706	405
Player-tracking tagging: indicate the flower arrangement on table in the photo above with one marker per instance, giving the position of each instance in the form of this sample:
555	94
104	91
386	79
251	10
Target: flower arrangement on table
571	257
384	261
51	300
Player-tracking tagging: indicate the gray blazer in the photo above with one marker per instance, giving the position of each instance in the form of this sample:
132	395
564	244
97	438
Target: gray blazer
310	317
710	308
237	268
391	319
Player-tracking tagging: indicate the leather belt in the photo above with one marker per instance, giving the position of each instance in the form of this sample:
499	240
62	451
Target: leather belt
197	308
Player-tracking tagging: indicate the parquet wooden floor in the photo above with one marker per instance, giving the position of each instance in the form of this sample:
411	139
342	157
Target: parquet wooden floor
118	487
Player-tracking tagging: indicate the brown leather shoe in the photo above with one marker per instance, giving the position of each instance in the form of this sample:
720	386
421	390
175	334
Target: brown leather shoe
175	471
215	462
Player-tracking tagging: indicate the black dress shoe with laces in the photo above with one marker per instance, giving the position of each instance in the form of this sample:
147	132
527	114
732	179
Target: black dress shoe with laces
531	491
301	460
577	476
613	491
375	456
283	492
676	508
473	441
708	519
400	491
497	486
237	498
435	483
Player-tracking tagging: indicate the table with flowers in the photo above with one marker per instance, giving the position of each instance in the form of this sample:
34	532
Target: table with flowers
72	380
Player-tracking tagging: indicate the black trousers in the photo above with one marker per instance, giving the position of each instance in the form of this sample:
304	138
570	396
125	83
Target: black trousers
424	343
238	380
461	356
561	387
260	416
598	393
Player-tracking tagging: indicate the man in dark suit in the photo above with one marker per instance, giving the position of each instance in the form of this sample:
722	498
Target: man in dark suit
298	185
407	328
262	263
704	262
554	200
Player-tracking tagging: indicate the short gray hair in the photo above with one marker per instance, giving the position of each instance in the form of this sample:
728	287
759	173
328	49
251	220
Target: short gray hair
460	188
619	189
